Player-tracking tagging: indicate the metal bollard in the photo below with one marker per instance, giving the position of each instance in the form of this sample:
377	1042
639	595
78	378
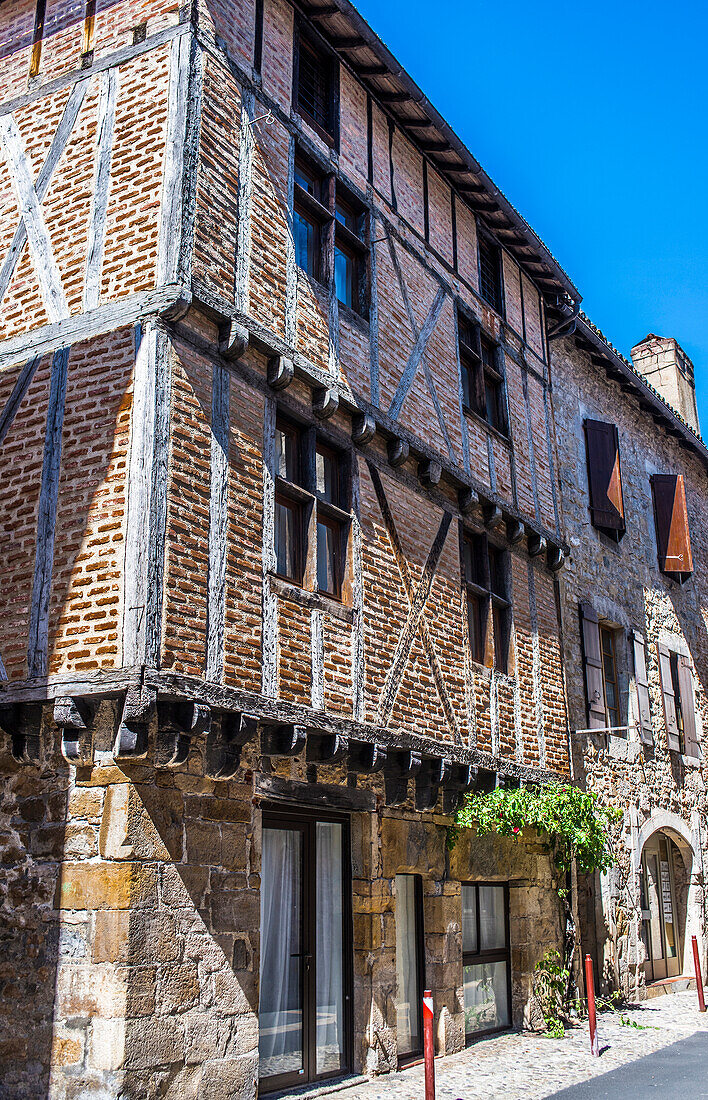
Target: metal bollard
592	1019
699	978
428	1045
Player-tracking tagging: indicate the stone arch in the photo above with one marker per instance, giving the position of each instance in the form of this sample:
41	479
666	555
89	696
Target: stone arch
688	888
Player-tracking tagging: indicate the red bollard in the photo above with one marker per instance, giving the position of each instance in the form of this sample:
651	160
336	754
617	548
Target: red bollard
592	1019
699	979
428	1045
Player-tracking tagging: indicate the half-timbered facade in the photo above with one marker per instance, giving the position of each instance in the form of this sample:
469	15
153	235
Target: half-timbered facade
280	543
633	490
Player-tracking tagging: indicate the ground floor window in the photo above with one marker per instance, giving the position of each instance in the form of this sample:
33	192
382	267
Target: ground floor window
485	957
409	964
658	898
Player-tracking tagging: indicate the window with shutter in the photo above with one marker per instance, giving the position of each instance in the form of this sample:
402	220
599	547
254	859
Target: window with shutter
668	691
673	538
688	706
646	729
592	659
605	477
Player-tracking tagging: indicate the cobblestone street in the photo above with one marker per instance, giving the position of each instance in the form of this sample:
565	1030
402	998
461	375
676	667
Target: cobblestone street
529	1066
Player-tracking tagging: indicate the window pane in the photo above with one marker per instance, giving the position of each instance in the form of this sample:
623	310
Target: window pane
497	576
492	928
489	277
472	550
467	384
344	278
491	399
306	243
327	474
469	919
315	86
286	455
408	992
286	539
306	179
501	639
486	997
327	550
280	1011
329	968
344	214
474	619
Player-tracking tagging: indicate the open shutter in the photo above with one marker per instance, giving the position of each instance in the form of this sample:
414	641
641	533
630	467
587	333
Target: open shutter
672	535
604	475
667	691
688	707
646	730
592	657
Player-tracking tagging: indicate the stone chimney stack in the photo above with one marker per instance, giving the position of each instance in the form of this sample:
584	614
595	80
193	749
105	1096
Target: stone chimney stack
669	370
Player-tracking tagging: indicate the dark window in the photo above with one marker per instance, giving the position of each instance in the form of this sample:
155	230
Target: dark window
488	606
310	218
490	273
605	478
486	958
609	675
673	537
350	255
310	509
482	380
315	92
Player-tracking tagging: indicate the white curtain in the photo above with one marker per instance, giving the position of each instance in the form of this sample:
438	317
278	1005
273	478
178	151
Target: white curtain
330	978
408	994
280	1009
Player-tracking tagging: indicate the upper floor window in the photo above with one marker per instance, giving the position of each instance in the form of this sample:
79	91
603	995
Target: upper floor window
679	701
482	379
605	478
316	87
311	517
601	656
485	572
490	281
329	228
673	537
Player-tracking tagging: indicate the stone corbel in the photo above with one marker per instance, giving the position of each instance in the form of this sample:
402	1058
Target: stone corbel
366	757
286	740
139	708
555	558
398	452
75	720
434	771
225	742
514	532
233	340
401	765
23	723
493	516
536	544
468	501
484	781
429	472
325	403
178	721
325	748
281	372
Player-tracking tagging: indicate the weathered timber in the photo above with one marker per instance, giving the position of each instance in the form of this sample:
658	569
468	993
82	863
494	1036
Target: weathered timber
228	734
366	757
283	740
363	429
315	794
325	748
74	717
233	340
433	773
23	383
429	472
411	368
325	402
23	723
102	182
401	766
139	708
218	523
177	723
398	451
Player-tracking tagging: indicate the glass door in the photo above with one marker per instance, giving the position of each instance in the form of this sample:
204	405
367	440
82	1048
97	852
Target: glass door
304	1011
409	965
658	899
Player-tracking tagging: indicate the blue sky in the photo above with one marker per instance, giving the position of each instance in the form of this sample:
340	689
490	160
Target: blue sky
593	120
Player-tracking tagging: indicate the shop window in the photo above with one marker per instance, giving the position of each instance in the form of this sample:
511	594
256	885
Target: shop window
316	87
486	963
311	517
485	575
482	378
605	478
410	974
673	537
679	701
490	278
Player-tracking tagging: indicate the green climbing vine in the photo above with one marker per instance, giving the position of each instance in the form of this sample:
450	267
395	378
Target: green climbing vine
572	823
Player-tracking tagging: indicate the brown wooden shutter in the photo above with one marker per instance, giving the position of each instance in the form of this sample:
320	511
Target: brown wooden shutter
688	708
672	535
604	475
667	691
646	730
592	658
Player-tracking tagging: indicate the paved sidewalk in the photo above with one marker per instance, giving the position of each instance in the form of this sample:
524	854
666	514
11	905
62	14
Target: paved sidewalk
524	1066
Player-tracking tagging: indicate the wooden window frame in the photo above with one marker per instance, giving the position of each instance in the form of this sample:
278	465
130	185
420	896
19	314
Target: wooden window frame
611	633
493	607
497	954
671	526
326	128
604	485
313	207
679	700
492	295
479	373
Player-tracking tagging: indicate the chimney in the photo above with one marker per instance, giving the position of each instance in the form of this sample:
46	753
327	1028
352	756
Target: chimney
668	369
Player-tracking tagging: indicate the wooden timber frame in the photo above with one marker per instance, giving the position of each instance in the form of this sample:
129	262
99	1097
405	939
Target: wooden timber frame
161	715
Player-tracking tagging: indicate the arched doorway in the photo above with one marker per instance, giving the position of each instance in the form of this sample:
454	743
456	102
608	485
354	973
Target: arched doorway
663	890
